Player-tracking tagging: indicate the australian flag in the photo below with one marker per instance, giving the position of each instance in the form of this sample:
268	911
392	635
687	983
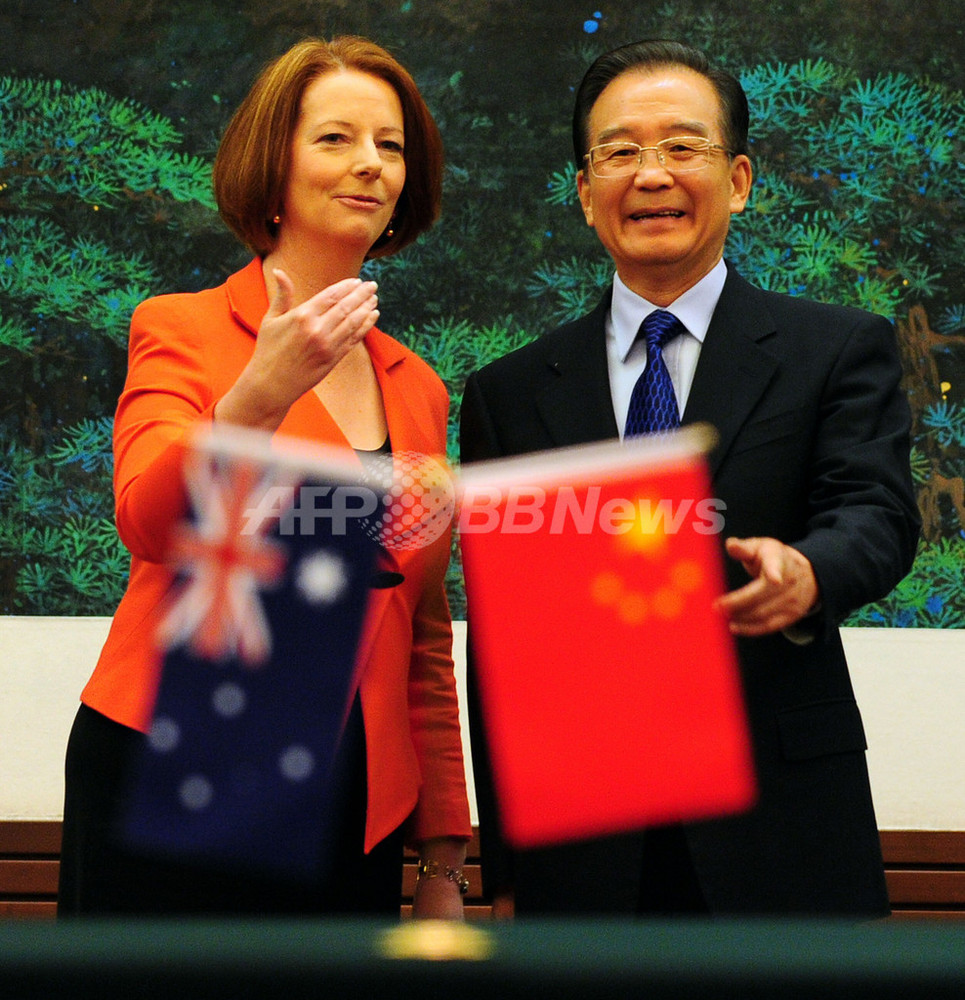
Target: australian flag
259	643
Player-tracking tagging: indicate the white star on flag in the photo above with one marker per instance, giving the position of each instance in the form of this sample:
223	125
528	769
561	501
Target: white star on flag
322	578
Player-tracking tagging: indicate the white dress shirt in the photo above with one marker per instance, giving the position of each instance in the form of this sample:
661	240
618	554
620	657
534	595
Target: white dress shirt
627	356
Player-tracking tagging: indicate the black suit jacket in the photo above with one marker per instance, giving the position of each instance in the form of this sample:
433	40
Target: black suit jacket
813	450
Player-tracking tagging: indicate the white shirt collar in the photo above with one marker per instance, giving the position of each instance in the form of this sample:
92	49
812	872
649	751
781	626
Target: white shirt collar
694	308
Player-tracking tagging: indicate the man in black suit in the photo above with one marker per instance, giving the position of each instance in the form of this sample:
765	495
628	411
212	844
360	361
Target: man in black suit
812	465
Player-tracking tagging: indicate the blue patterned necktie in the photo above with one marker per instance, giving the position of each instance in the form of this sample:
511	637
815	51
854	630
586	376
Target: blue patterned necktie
653	403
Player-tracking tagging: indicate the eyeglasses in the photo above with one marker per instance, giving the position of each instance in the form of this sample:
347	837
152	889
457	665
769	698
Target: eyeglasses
677	154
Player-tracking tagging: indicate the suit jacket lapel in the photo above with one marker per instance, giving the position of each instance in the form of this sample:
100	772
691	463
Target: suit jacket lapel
734	368
309	419
410	424
575	403
408	430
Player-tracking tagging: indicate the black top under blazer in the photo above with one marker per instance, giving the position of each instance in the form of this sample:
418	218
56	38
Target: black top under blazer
813	450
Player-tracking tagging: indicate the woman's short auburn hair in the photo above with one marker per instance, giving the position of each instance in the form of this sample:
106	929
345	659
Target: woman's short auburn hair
254	157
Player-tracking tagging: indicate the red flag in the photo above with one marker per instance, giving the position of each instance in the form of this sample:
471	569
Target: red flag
609	685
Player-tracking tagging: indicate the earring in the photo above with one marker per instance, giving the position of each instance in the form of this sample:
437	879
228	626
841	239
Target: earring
276	219
389	233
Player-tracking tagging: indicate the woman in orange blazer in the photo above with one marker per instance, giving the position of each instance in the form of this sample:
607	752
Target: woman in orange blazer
332	158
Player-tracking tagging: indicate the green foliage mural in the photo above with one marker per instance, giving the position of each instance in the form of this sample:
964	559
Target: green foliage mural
84	179
857	129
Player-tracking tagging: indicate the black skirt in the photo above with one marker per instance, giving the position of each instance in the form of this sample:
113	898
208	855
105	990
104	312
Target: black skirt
99	876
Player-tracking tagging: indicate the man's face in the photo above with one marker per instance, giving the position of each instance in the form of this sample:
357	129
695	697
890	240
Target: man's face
664	231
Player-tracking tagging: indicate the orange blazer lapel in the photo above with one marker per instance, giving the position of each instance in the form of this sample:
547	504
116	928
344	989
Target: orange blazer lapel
412	424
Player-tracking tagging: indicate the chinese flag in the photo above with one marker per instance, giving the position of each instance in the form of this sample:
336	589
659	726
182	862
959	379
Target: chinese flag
609	685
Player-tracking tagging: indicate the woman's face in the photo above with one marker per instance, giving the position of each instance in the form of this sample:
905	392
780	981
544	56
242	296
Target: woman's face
347	169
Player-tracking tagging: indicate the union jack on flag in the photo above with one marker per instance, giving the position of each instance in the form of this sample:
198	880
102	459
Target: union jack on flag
219	612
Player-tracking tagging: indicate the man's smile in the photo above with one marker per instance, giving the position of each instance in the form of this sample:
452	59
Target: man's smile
656	213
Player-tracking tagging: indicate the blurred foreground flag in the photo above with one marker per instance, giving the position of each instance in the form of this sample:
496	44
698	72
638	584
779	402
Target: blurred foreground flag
259	642
609	685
